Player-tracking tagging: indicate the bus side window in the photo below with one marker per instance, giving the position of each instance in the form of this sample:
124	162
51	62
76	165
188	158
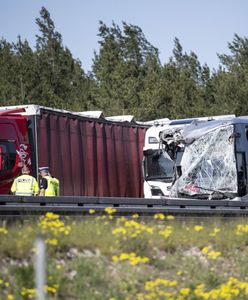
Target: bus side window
246	132
242	180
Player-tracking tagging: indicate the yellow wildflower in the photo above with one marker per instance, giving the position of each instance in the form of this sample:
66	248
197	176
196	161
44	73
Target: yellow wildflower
214	254
119	230
115	258
132	229
215	232
149	230
110	210
131	257
50	215
159	216
205	250
166	232
52	242
91	211
121	219
185	291
241	229
51	224
198	228
51	290
150	285
29	293
3	230
124	256
135	216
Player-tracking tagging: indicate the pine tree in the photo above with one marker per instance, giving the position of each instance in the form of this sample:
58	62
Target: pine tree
183	79
120	68
230	82
61	81
8	78
26	70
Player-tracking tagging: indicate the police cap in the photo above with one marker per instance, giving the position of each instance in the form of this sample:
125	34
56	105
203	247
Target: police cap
44	169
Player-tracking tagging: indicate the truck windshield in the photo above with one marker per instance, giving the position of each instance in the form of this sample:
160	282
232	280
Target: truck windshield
158	166
7	155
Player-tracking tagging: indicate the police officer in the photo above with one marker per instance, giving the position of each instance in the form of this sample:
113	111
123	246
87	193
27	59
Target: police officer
49	186
57	188
25	185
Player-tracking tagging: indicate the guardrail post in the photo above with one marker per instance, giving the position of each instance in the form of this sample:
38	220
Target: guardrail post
40	264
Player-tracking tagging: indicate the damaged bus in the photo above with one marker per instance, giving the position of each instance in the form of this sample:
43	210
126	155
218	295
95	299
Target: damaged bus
210	158
161	157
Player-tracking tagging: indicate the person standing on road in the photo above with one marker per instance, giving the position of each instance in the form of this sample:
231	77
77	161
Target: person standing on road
49	186
25	185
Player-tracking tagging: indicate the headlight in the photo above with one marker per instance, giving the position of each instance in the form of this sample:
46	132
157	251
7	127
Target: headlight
153	140
156	191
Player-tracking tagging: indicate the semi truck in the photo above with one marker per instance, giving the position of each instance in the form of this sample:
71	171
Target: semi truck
90	155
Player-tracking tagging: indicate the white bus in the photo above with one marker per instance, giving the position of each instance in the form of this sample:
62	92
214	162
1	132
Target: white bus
158	165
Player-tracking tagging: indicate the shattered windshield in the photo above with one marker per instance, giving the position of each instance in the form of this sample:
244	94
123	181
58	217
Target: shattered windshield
158	166
208	164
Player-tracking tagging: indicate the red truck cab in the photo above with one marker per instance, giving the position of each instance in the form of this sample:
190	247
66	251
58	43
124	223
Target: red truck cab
14	147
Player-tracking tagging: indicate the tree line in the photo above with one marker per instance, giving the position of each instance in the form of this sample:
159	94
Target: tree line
127	76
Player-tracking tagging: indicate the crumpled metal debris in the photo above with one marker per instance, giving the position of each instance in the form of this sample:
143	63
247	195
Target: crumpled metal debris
208	163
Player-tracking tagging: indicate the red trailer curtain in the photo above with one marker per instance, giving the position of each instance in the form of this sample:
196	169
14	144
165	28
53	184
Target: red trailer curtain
91	157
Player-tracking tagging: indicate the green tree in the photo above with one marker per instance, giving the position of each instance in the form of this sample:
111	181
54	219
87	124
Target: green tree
121	67
154	95
61	81
8	78
25	71
184	84
127	76
230	82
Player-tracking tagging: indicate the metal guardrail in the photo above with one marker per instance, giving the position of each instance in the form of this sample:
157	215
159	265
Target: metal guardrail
79	205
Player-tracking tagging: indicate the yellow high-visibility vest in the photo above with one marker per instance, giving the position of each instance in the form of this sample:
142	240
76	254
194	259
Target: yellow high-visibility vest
57	187
25	185
51	187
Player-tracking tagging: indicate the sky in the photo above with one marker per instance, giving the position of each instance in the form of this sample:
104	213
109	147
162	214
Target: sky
202	26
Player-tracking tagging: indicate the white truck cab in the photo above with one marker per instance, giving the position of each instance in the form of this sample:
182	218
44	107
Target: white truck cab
157	165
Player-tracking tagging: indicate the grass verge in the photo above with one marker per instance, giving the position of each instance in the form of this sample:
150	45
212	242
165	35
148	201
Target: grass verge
106	257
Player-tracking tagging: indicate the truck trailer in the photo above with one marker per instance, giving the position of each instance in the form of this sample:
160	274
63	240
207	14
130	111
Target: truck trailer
91	156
